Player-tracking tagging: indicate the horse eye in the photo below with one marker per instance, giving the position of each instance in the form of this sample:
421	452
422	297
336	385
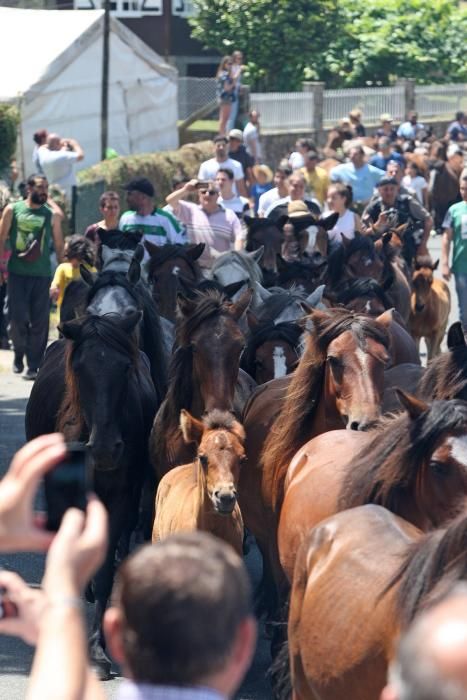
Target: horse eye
335	362
440	469
204	460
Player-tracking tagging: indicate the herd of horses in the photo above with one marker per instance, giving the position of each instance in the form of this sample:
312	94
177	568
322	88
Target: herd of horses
292	408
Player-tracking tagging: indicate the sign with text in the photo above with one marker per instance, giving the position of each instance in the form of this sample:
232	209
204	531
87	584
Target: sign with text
183	8
123	8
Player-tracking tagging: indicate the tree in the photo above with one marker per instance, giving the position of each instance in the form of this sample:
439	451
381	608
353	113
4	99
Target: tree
280	38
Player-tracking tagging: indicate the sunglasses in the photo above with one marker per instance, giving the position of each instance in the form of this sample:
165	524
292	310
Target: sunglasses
210	192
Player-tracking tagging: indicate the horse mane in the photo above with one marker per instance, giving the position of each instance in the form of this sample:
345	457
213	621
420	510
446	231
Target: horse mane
70	419
180	389
277	302
291	429
430	566
287	332
339	256
218	420
168	252
348	290
446	376
390	466
291	270
120	240
250	265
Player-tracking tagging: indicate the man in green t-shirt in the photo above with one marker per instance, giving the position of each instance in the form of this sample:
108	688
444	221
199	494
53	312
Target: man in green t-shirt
455	230
28	226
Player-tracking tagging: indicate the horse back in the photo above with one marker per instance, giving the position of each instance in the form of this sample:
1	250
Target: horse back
341	632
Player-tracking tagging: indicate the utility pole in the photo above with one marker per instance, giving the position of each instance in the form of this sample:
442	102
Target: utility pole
105	80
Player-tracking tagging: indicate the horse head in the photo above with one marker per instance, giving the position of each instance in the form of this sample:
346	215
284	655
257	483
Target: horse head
422	279
220	441
236	266
267	234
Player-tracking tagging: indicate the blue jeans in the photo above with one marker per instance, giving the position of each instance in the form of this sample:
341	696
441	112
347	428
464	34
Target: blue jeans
233	113
461	289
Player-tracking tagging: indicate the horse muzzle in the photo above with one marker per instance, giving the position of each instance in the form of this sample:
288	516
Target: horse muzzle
224	501
419	307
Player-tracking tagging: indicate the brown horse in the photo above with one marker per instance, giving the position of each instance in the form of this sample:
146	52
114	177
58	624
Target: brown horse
203	374
414	464
272	350
360	578
430	305
168	264
339	381
203	495
446	375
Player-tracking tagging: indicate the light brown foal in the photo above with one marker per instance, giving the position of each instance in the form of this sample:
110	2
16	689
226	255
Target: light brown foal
202	495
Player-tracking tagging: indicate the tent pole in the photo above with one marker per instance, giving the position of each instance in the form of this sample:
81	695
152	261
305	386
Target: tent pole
105	80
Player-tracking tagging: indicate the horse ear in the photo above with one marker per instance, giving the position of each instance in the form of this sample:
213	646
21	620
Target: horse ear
129	322
138	255
233	288
192	429
185	306
248	219
257	254
414	407
134	271
316	297
281	263
386	238
87	276
385	319
400	230
456	337
194	252
435	265
153	250
71	330
239	307
252	321
328	222
262	292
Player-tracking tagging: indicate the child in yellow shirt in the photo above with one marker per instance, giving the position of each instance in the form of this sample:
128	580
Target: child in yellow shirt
78	251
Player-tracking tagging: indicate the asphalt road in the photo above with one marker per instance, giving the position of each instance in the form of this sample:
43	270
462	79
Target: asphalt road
16	657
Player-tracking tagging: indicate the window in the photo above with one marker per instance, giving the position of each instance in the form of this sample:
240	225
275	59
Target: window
123	8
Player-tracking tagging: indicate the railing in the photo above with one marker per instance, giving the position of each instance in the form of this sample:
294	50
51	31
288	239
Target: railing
440	100
284	110
194	93
372	102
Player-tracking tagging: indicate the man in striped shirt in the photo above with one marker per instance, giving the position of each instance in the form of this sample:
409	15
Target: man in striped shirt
158	226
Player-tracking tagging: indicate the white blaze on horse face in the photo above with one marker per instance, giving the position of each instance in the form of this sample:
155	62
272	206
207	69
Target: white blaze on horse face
176	270
280	364
458	447
113	300
368	307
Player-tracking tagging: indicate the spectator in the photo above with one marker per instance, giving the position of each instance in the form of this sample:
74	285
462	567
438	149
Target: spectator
455	231
78	251
337	136
263	183
238	152
207	222
109	206
178	182
236	73
385	154
225	91
408	130
58	159
415	184
444	183
386	128
395	169
339	200
361	176
5	195
392	209
29	225
296	192
297	157
431	659
280	190
251	137
355	117
457	130
158	226
316	178
227	199
209	168
40	139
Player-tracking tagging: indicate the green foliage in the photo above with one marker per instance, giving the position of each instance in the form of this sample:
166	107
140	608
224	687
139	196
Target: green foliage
160	168
280	38
9	119
343	42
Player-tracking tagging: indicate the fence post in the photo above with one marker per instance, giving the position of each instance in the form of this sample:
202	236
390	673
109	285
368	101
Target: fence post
409	93
317	88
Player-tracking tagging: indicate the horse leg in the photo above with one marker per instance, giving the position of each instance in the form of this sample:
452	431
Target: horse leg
102	588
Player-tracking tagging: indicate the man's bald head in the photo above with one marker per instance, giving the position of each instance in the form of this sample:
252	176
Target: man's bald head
431	661
54	142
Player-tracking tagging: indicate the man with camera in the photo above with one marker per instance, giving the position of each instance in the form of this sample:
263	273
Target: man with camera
391	209
57	159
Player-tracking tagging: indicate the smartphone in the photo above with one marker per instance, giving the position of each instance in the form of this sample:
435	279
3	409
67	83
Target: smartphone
67	485
203	185
7	608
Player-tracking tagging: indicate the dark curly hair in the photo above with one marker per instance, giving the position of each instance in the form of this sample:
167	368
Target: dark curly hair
81	249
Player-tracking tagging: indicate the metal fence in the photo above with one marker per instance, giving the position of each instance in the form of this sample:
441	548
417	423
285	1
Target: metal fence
440	100
194	93
372	102
284	110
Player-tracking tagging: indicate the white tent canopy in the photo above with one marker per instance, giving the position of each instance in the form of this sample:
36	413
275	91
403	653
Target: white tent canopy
52	69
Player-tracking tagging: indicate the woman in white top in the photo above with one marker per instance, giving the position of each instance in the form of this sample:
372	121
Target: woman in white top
415	183
339	199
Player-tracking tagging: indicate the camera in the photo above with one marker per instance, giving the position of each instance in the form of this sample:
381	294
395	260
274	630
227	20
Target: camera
67	485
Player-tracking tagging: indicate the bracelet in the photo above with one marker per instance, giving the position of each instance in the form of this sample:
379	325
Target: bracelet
67	602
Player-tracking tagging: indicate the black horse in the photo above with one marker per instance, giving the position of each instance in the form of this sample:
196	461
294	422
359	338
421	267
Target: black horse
95	386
